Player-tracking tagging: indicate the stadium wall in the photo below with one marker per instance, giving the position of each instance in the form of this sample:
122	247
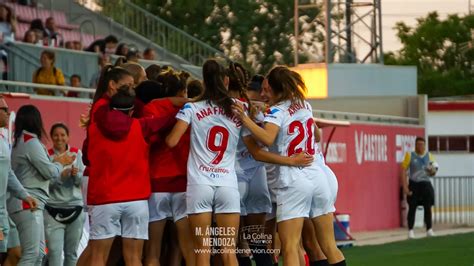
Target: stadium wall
366	160
53	110
404	106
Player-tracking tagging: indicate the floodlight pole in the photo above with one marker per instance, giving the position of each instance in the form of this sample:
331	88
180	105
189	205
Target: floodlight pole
296	18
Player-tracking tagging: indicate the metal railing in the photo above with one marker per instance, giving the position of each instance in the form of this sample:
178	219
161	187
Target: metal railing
454	200
159	31
366	118
13	86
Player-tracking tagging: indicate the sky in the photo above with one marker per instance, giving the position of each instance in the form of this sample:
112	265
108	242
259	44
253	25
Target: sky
408	10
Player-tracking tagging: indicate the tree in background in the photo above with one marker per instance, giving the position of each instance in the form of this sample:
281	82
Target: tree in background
256	32
442	50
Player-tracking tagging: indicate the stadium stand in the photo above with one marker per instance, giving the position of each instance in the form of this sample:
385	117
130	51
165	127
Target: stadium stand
69	32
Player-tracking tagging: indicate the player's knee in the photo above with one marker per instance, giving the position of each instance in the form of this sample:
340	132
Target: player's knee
328	246
290	243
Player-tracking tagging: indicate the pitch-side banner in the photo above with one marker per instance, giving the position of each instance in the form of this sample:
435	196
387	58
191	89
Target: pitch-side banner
366	160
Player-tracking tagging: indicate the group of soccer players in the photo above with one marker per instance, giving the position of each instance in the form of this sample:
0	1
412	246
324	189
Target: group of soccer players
173	176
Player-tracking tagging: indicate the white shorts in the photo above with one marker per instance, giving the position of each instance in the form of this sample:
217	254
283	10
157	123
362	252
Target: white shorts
306	197
159	206
272	179
205	198
126	219
178	206
332	182
254	194
164	205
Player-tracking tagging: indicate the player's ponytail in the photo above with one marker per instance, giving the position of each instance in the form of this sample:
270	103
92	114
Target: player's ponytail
239	79
215	91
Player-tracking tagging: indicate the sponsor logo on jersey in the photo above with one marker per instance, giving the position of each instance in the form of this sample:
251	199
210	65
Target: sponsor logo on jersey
272	111
211	169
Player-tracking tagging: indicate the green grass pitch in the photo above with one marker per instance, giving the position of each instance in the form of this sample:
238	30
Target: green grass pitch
453	250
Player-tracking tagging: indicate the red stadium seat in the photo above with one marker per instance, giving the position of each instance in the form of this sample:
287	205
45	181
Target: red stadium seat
21	29
28	14
68	35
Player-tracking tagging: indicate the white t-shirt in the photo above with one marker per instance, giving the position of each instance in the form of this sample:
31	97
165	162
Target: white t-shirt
296	135
214	138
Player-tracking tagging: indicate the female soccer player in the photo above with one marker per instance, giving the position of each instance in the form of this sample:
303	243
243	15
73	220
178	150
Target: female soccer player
212	182
168	167
64	216
251	175
302	192
310	242
34	170
111	78
119	189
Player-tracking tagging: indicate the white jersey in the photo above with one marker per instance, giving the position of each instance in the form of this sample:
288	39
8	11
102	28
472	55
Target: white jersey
214	138
319	154
244	160
296	135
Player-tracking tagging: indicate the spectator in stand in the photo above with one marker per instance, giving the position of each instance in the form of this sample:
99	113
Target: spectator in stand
51	30
74	81
48	73
7	33
149	54
31	3
122	49
7	23
30	37
103	61
120	61
77	45
105	46
133	55
69	45
37	26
